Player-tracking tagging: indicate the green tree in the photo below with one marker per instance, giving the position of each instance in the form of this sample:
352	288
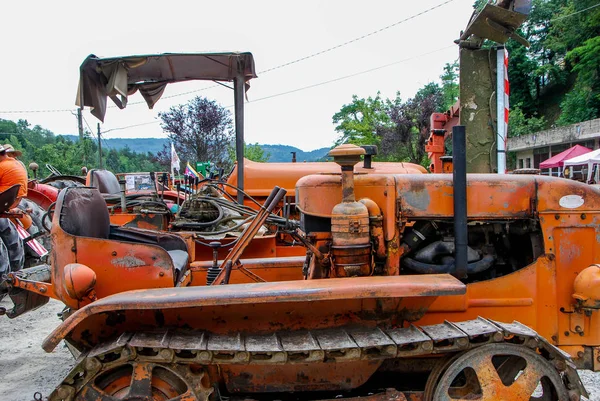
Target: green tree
450	88
43	147
583	102
519	124
252	152
361	121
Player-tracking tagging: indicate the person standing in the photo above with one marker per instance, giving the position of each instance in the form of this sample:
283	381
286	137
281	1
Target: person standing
12	172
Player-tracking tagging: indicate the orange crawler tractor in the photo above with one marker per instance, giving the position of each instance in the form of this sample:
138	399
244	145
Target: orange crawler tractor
414	287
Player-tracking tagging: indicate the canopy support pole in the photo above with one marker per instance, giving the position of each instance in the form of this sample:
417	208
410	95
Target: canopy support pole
238	95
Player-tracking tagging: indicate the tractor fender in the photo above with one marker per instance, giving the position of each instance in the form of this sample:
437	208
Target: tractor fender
336	289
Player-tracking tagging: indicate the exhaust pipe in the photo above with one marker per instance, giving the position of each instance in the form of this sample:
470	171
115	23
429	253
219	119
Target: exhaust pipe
459	178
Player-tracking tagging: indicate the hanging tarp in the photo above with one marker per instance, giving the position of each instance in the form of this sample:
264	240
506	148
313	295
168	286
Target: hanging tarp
120	77
559	159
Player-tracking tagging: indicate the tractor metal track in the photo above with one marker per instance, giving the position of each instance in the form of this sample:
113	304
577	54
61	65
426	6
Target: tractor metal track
337	344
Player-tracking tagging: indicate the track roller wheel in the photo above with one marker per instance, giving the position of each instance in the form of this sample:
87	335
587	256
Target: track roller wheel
500	372
147	381
434	376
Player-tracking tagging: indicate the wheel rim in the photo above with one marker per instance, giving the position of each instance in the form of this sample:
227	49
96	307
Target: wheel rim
500	372
139	381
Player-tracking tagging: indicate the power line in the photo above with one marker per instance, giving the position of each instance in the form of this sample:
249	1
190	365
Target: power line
575	13
348	76
356	39
313	85
92	132
131	126
277	67
35	111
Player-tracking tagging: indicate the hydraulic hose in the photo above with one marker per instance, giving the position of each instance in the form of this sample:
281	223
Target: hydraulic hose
427	268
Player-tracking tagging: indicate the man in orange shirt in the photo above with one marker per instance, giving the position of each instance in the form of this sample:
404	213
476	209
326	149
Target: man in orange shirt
12	172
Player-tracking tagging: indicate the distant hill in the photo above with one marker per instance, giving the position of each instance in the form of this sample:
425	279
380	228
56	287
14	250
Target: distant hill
283	153
278	153
139	145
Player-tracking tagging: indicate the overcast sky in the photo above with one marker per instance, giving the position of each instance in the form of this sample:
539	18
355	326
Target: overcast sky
44	42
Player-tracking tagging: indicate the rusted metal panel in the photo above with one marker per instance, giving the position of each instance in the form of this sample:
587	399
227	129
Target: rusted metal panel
359	288
297	377
488	196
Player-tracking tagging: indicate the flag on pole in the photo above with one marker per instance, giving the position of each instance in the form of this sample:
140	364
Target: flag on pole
175	162
190	172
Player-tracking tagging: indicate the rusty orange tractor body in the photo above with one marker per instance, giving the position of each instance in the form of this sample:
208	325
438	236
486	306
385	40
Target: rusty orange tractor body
408	286
372	303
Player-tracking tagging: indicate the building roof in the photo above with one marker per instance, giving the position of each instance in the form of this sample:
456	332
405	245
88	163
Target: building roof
559	159
571	133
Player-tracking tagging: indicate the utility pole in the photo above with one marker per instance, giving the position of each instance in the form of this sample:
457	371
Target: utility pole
80	124
99	147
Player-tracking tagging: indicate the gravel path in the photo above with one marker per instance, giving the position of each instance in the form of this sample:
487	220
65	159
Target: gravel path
25	368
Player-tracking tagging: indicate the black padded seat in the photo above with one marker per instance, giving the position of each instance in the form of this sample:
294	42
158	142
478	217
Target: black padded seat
104	180
83	213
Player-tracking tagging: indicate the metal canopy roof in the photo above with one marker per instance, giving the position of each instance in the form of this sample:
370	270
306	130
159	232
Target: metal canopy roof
119	77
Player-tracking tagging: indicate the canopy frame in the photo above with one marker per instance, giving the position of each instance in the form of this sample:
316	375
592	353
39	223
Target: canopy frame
119	77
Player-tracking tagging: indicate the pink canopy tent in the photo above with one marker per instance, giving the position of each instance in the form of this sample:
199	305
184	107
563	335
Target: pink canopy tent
559	159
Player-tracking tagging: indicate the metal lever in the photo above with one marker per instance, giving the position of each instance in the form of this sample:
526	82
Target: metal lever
250	231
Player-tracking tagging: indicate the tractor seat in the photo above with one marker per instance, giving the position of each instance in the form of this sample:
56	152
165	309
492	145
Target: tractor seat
104	180
179	259
83	213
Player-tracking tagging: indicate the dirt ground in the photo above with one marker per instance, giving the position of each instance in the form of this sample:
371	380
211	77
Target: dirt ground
25	368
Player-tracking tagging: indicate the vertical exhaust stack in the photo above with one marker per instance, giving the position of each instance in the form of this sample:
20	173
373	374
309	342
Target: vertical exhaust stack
459	179
351	250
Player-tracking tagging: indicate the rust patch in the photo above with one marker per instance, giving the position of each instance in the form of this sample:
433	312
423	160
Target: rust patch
417	199
128	261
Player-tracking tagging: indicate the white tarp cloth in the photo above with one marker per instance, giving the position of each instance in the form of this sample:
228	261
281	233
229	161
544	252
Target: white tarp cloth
588	159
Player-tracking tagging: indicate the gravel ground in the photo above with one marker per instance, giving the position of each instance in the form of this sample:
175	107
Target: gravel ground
25	368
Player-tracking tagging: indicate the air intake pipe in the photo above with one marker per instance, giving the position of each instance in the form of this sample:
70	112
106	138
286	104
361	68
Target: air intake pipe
351	248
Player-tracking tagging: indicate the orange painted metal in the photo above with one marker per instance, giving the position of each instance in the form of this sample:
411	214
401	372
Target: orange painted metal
80	280
585	288
268	269
149	221
539	295
261	178
282	377
41	288
441	126
273	295
42	194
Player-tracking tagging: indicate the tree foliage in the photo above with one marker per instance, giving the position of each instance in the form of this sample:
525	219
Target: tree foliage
399	128
41	146
201	130
557	77
361	121
252	152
